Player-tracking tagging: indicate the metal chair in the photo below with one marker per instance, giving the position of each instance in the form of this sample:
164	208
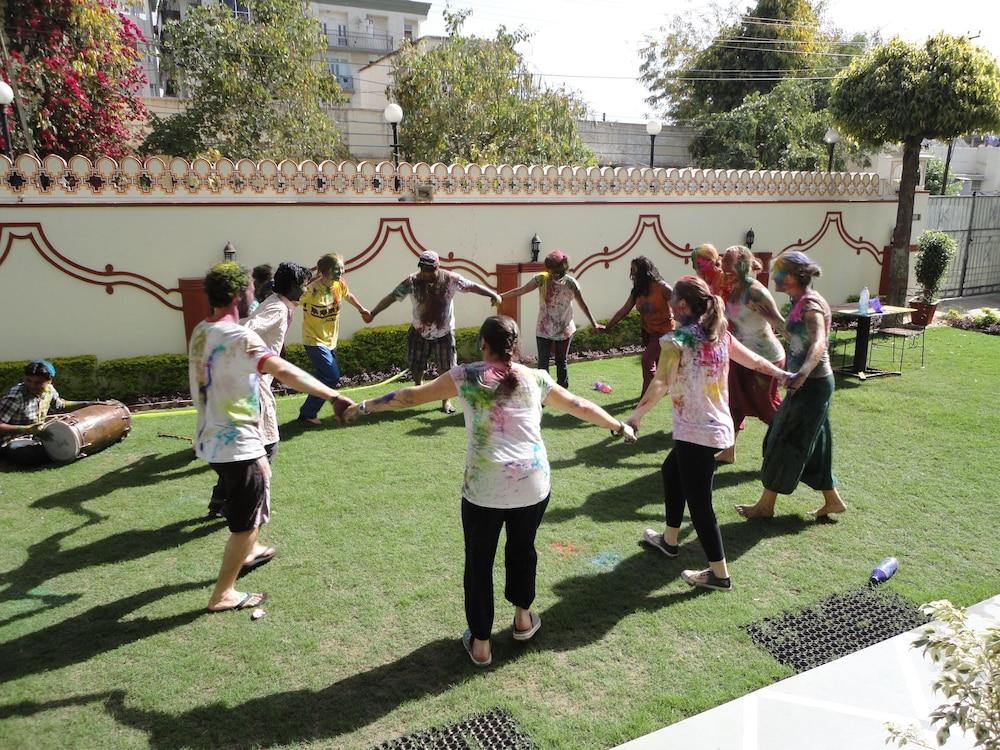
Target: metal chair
902	337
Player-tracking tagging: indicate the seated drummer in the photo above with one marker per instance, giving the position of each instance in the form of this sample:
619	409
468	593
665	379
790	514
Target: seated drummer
23	411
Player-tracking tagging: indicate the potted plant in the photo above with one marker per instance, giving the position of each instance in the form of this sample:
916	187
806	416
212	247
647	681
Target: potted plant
935	254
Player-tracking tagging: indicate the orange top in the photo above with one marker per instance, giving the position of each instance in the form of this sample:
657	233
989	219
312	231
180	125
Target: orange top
654	309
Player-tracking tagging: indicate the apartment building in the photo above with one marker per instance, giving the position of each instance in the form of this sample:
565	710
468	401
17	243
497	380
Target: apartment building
357	33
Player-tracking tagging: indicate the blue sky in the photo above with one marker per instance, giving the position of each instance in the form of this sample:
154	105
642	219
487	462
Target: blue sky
592	45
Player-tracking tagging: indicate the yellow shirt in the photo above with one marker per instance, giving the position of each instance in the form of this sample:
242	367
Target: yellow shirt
321	312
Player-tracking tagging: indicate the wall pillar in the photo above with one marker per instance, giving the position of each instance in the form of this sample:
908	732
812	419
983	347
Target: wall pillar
194	303
509	277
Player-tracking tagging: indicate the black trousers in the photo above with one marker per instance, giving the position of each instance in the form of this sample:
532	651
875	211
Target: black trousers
558	348
688	474
482	533
218	501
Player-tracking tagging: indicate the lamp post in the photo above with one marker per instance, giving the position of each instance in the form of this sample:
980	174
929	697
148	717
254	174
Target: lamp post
653	128
750	238
831	139
6	97
393	115
536	245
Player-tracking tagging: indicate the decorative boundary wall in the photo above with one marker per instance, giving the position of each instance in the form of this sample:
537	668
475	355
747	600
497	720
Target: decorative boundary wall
201	180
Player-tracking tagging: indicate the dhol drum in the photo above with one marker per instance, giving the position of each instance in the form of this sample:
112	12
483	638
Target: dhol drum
86	431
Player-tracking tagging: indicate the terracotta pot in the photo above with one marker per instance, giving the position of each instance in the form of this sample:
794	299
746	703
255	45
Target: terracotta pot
924	314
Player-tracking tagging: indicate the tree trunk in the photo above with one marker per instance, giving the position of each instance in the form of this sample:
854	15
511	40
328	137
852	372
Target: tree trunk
899	254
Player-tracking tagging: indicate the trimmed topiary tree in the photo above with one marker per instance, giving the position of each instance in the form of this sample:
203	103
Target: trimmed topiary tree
904	93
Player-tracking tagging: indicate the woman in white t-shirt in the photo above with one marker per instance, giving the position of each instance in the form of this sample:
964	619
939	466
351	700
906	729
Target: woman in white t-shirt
557	291
507	480
694	368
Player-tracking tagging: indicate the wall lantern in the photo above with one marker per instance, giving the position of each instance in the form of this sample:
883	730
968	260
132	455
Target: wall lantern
536	245
229	251
750	238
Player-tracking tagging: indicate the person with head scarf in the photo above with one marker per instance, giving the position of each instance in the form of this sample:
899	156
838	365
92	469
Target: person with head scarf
707	265
23	412
798	446
749	308
693	368
507	477
557	291
650	295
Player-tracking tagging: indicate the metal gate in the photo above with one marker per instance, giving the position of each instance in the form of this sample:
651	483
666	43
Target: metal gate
974	222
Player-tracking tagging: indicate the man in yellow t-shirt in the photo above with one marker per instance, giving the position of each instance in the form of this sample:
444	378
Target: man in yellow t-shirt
321	326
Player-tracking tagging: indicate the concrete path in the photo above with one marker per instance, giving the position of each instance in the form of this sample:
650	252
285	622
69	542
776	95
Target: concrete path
843	705
968	304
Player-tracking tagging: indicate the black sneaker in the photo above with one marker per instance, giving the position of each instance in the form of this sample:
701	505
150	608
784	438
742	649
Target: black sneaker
706	579
654	539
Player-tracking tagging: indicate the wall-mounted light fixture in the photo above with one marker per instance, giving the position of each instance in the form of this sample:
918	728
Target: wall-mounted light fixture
536	246
229	251
750	238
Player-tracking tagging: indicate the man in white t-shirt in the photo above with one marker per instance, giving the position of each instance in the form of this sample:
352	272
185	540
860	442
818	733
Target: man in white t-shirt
226	362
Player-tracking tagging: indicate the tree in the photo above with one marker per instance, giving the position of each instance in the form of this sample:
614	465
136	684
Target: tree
905	93
472	100
782	129
258	87
77	67
754	86
935	179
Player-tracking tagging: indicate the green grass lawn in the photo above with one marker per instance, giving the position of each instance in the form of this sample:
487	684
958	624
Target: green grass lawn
106	570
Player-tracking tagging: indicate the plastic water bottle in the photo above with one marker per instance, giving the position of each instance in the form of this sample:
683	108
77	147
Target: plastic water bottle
602	387
884	571
863	301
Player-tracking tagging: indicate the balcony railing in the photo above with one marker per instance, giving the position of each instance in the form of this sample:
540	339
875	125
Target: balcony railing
362	42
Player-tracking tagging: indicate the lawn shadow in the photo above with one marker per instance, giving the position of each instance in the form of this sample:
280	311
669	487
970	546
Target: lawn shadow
611	450
589	607
147	470
88	634
48	560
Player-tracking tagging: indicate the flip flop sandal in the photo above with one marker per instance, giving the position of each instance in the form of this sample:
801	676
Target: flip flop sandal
262	559
526	635
467	643
248	601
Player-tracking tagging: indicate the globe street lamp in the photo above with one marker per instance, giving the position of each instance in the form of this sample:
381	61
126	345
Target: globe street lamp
393	115
6	97
831	139
653	127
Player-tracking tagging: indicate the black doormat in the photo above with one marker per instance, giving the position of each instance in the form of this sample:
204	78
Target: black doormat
837	626
494	730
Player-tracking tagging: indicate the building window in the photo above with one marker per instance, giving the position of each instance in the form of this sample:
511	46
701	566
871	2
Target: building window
408	31
240	10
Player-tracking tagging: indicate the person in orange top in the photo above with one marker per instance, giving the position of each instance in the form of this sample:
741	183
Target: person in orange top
650	295
707	264
321	326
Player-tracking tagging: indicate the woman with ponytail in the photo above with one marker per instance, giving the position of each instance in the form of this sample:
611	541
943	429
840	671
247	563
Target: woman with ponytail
507	481
557	291
693	367
798	446
749	307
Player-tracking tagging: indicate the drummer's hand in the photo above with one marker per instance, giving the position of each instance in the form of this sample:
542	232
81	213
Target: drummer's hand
33	429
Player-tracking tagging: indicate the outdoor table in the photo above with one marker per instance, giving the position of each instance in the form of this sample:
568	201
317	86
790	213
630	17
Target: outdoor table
859	367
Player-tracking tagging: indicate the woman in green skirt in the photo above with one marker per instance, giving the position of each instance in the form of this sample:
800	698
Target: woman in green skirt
798	446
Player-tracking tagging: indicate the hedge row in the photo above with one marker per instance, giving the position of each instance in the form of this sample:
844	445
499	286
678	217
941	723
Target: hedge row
373	350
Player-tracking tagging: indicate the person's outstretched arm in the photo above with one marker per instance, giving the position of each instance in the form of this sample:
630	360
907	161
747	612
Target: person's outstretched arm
618	316
659	386
586	311
530	284
587	411
753	361
288	374
439	389
383	303
365	314
762	303
485	291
